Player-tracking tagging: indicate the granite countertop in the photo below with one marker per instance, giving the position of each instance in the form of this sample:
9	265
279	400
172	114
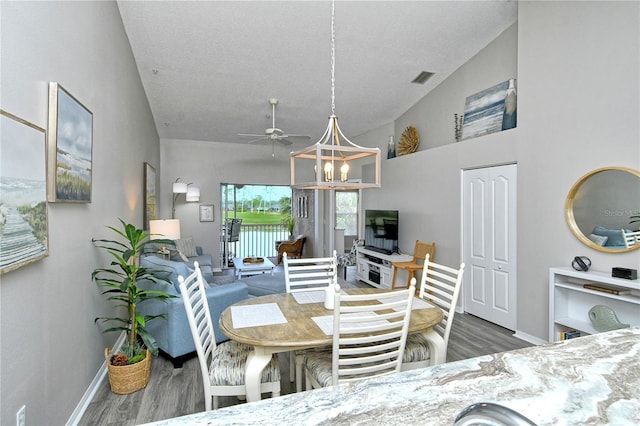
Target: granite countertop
589	380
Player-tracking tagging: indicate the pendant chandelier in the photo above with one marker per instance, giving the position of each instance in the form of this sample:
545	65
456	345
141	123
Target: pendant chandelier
326	164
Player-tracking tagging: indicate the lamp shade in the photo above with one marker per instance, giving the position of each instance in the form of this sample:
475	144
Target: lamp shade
193	194
179	188
164	229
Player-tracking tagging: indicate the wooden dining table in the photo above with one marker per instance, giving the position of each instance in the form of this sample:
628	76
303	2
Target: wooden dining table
300	331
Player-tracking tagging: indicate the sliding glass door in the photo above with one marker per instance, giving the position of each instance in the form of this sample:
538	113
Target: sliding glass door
261	212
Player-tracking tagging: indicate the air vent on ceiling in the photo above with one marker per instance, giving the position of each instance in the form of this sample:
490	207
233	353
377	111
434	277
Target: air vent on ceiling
422	77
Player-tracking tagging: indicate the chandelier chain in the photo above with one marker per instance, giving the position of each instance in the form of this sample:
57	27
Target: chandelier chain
333	58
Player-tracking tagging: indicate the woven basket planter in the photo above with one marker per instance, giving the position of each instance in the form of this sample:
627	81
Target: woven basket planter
125	379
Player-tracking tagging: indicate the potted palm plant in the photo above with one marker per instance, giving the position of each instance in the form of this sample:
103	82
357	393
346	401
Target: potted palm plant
129	368
290	223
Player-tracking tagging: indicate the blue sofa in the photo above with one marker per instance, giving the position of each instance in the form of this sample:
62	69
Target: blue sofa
172	333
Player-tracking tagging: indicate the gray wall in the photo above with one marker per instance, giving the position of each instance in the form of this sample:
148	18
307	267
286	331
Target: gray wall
578	107
50	349
207	165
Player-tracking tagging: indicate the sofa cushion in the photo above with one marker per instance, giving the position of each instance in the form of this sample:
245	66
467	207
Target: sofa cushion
186	246
264	284
166	269
598	239
614	236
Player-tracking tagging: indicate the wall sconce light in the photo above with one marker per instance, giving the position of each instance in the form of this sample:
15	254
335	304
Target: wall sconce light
192	194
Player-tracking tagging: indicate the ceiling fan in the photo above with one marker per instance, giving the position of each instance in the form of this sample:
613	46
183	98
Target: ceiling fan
273	133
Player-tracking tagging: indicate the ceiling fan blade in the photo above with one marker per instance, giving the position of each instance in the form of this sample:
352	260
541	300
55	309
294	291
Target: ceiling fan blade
297	136
285	142
258	140
251	135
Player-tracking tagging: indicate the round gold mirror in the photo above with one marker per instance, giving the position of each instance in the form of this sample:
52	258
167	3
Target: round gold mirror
603	209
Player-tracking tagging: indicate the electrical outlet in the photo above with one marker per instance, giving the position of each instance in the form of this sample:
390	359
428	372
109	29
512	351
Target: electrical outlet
21	416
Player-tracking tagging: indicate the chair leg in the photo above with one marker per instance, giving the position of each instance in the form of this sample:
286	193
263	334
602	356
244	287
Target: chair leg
307	380
215	403
292	366
412	274
298	374
393	281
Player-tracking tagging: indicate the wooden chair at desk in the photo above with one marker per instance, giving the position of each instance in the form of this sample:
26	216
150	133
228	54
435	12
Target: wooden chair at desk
417	264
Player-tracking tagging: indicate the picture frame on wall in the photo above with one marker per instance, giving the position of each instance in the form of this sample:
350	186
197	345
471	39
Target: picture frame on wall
206	213
150	205
490	110
23	176
69	148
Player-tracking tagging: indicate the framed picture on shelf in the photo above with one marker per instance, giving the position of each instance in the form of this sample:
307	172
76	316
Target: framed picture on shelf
69	148
206	213
149	194
23	177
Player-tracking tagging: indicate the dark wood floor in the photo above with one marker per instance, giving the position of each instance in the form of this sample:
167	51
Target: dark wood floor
177	392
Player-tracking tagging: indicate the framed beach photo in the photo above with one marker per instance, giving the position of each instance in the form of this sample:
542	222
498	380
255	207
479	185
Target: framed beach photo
149	195
24	233
206	213
69	148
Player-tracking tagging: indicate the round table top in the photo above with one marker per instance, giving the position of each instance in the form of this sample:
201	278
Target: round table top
300	331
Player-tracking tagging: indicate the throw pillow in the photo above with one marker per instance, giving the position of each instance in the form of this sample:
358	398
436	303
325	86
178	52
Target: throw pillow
178	256
598	239
615	237
186	246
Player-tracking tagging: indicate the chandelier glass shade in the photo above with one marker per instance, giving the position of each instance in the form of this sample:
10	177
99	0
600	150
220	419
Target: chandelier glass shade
326	164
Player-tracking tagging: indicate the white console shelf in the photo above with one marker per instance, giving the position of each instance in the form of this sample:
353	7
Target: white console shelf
570	301
375	268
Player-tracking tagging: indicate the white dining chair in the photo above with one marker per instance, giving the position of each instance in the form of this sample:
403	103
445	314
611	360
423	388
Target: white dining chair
440	285
222	366
309	274
369	335
631	238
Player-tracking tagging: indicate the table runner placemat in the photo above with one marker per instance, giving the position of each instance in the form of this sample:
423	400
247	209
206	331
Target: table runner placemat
257	315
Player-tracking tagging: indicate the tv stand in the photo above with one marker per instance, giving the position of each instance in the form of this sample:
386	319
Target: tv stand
374	267
378	250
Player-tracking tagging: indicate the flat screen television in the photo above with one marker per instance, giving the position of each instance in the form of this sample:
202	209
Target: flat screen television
381	230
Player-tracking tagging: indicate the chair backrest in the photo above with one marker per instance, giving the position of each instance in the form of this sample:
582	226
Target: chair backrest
195	302
441	285
422	249
369	333
356	243
233	227
631	238
309	273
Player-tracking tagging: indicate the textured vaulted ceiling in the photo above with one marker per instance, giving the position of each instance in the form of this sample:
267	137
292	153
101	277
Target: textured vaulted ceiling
210	67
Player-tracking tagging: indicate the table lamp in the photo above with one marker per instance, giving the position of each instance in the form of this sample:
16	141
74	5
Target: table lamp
164	229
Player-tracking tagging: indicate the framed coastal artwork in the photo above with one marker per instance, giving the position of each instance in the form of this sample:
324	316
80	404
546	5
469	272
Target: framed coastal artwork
491	110
150	206
24	233
69	148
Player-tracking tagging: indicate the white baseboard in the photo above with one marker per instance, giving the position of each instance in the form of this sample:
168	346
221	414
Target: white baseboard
93	387
529	338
